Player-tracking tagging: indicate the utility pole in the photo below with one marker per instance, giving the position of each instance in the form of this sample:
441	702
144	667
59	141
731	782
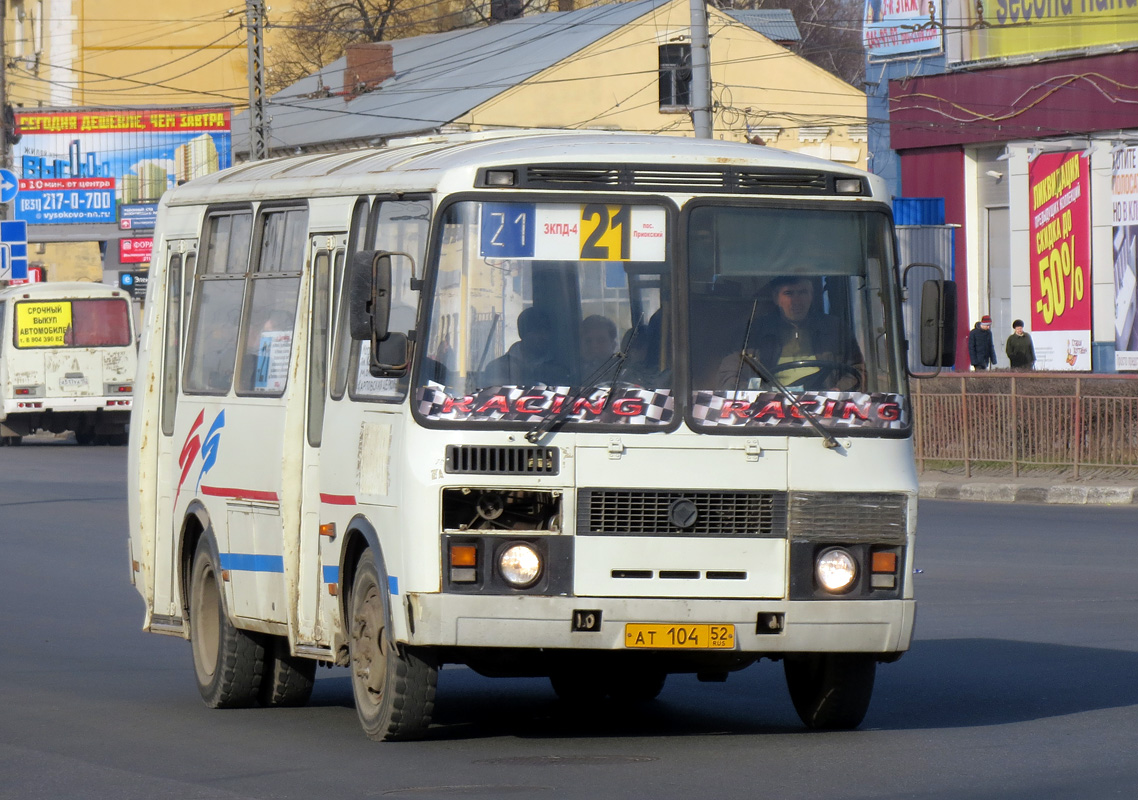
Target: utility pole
4	160
255	30
700	71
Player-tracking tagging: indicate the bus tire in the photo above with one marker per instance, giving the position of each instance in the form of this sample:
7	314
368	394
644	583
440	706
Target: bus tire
288	679
228	662
830	691
85	436
393	686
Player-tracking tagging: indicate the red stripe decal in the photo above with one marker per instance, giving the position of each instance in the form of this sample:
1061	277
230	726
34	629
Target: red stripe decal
338	499
239	494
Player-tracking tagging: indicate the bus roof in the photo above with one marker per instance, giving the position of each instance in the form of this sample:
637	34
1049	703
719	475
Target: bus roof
420	164
62	289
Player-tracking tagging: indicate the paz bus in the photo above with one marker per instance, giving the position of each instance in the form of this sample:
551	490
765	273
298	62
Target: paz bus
518	401
67	361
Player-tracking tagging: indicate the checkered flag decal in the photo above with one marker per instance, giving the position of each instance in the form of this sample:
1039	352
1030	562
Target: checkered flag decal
629	406
770	409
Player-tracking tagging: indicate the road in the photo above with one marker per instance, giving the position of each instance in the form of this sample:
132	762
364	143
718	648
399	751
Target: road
1021	683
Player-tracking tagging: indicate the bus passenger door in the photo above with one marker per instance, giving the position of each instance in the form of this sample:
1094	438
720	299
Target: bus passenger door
317	509
181	256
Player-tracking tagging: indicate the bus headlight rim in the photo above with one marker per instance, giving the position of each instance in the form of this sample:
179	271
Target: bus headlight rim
836	570
520	565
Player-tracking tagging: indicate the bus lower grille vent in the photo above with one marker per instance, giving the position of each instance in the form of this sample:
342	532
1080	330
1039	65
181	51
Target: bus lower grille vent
486	460
648	512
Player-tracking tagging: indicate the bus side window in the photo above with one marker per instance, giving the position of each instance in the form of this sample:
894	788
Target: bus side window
342	342
398	226
212	336
274	287
173	331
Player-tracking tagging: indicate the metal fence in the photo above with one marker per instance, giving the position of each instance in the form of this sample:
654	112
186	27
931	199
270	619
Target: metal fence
1024	421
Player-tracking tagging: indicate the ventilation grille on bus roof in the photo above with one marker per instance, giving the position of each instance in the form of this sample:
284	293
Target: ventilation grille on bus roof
504	460
660	178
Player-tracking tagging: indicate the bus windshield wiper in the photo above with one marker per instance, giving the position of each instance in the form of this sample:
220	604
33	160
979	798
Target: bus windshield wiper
761	370
589	385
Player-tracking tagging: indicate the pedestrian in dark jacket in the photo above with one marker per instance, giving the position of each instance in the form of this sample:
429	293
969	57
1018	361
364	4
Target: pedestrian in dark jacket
981	348
1020	350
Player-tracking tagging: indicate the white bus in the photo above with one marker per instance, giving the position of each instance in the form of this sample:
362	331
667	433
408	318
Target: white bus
598	407
67	361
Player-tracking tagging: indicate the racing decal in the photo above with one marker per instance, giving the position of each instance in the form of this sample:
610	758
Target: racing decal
192	446
772	409
629	405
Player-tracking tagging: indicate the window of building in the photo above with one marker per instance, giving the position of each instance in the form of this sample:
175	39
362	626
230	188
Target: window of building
675	76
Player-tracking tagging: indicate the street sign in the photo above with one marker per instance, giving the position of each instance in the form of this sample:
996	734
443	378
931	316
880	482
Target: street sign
135	283
9	186
13	248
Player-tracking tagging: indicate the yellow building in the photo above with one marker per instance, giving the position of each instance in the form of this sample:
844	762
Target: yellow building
623	66
109	53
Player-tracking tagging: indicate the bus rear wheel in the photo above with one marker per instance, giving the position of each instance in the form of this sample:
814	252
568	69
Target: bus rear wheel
830	691
394	687
288	679
228	662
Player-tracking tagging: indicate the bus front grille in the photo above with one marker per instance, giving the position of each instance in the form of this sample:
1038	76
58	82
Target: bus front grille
492	460
650	512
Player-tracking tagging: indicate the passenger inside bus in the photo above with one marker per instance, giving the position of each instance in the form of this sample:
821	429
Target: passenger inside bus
800	344
532	359
598	343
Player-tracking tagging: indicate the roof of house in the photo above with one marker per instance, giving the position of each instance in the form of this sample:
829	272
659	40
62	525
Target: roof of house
777	24
438	78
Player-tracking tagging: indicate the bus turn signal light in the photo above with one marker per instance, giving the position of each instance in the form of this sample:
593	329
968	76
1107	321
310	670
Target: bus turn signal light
884	561
463	563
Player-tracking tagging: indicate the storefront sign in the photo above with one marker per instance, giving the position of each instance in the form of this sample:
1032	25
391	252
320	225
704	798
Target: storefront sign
1060	253
894	27
1022	27
1124	218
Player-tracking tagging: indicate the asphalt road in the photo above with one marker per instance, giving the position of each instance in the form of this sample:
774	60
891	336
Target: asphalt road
1023	683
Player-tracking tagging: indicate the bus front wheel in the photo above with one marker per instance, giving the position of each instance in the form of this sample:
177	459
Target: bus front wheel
394	687
830	691
228	662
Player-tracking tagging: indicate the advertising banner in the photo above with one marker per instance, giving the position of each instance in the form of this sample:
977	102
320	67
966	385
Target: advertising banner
135	251
1060	252
1023	27
895	27
1124	219
80	166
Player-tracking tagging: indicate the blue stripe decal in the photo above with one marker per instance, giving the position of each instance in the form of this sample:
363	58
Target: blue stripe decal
250	562
331	574
393	584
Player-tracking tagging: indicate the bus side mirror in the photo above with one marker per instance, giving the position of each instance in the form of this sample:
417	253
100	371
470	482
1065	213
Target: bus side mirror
369	295
938	323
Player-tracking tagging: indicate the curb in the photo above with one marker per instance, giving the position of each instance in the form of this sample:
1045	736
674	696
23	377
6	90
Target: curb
1061	494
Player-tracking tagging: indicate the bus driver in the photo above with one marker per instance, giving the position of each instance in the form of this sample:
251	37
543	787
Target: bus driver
800	345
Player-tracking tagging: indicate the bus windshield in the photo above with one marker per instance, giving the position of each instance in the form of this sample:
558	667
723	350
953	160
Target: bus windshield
95	322
794	296
547	309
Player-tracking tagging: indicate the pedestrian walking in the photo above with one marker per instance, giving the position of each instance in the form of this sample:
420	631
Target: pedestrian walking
981	348
1020	350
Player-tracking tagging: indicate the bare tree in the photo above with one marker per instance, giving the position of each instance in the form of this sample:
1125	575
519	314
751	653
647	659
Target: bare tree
319	30
830	29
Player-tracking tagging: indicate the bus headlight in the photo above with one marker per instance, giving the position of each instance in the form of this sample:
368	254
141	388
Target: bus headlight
836	570
520	565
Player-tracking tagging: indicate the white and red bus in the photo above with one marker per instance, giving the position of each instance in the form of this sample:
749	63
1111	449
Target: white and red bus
522	401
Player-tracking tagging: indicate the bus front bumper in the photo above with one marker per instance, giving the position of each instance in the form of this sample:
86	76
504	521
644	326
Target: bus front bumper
760	626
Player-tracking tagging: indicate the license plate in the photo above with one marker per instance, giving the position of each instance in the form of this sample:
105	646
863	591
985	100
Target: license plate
680	637
72	383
